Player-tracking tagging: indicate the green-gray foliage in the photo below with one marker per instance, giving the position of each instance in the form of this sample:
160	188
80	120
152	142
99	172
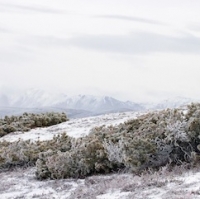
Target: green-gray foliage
150	141
29	121
86	156
25	153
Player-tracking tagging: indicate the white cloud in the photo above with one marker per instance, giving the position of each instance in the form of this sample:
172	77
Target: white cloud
131	50
138	43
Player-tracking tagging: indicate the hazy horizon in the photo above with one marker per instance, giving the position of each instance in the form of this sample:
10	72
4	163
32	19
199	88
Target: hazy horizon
13	94
130	50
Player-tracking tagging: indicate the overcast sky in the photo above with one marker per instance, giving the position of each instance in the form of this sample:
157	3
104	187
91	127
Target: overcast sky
128	49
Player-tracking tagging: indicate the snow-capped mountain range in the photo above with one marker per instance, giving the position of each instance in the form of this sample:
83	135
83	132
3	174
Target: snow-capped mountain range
36	100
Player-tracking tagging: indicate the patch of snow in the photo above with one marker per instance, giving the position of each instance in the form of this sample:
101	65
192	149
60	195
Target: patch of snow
114	194
23	184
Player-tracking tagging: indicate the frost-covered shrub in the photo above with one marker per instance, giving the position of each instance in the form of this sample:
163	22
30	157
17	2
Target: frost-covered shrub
132	153
150	141
29	121
193	111
86	156
156	139
23	153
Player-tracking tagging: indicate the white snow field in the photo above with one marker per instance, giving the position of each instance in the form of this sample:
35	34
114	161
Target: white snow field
20	183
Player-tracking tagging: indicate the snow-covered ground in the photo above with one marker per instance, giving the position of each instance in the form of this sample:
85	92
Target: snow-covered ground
22	184
74	127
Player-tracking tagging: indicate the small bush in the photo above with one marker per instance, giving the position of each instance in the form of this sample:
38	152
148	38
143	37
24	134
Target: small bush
86	156
26	153
29	121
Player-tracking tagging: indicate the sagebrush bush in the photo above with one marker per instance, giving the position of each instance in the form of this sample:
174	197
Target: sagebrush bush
26	153
86	156
29	121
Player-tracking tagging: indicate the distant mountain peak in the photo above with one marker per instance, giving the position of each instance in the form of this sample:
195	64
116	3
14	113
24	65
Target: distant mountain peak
37	98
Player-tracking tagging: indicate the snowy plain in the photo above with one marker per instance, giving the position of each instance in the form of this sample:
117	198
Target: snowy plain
22	184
